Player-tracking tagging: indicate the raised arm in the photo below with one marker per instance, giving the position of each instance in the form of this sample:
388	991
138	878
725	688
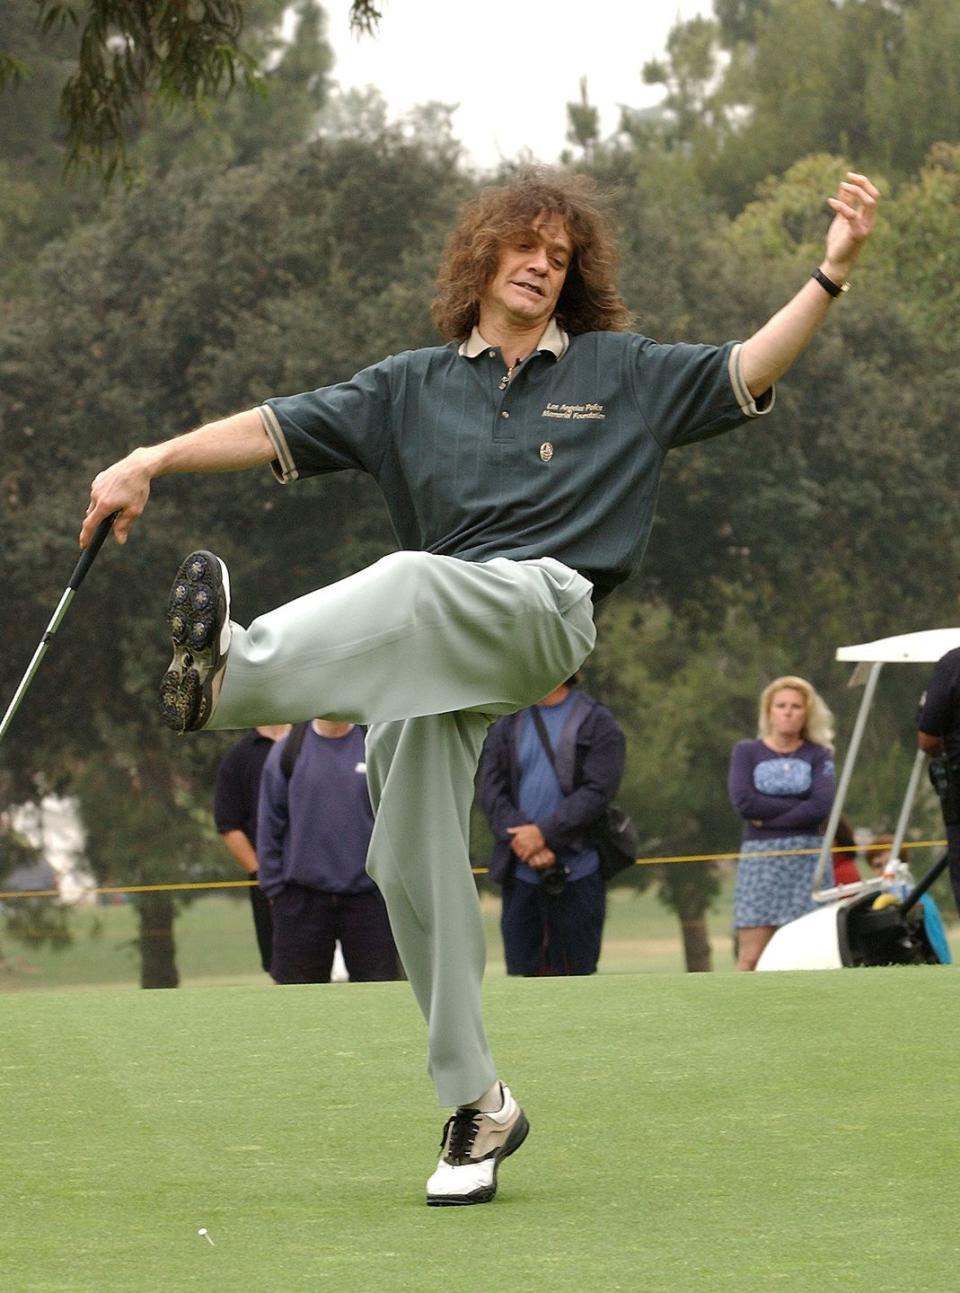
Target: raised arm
767	355
230	444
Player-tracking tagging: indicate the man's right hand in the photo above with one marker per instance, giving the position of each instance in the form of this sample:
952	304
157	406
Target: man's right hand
230	444
123	488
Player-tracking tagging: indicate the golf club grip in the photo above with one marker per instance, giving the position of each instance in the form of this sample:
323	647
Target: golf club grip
88	555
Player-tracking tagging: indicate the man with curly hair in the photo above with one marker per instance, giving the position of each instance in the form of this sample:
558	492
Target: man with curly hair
519	463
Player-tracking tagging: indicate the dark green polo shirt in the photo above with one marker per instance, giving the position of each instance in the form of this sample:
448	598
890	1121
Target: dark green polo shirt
563	461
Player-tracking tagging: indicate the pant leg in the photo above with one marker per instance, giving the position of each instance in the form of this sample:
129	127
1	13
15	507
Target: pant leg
953	853
414	634
575	926
405	646
304	936
523	928
363	928
262	924
421	777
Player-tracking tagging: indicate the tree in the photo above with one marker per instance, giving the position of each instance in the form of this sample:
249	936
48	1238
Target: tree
294	68
684	698
746	100
738	19
35	205
583	122
921	256
690	74
121	54
35	202
175	49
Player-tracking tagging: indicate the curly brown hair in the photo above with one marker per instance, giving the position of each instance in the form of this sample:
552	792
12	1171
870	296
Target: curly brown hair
589	300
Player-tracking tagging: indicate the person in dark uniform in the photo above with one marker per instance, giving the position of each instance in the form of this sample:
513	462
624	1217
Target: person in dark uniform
938	735
235	798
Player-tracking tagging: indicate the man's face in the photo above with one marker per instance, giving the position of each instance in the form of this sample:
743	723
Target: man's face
528	280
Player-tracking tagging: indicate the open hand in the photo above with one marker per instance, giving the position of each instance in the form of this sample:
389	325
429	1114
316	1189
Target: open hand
856	211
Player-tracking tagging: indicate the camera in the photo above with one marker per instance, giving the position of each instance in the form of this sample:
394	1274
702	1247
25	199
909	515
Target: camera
554	880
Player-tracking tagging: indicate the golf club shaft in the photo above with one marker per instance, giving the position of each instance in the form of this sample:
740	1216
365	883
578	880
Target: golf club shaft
917	892
76	579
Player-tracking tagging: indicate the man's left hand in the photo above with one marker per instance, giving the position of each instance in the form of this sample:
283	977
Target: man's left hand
856	212
543	860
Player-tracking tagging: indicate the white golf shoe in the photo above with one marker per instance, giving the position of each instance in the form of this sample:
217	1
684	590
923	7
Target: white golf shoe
473	1145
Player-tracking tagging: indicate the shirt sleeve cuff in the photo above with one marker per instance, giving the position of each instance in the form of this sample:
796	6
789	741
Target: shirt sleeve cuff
750	407
283	466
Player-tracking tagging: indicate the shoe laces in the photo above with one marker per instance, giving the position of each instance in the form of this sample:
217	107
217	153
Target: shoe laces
459	1133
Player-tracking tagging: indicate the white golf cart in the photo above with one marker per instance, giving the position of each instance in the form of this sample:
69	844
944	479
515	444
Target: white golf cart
846	929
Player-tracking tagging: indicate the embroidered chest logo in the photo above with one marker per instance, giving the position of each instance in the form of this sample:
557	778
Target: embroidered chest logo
575	412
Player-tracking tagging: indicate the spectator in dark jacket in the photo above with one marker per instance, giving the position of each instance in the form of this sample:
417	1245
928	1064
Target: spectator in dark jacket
235	812
541	803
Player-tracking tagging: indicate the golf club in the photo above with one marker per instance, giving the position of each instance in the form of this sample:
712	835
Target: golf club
76	579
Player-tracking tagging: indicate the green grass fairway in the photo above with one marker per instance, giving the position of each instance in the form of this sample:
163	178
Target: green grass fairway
689	1132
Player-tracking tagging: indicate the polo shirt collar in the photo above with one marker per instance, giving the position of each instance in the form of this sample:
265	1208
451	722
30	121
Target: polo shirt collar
554	339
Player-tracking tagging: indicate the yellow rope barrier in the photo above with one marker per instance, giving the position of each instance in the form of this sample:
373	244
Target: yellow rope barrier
7	895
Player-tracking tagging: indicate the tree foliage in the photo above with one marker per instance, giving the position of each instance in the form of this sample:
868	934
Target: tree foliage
768	83
120	56
178	50
35	202
583	128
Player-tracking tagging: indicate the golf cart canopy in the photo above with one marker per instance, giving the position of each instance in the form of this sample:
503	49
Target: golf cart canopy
907	648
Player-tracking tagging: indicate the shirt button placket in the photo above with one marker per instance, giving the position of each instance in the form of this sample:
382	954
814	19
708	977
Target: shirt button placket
502	429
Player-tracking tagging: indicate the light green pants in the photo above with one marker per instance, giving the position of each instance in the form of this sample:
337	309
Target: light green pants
425	650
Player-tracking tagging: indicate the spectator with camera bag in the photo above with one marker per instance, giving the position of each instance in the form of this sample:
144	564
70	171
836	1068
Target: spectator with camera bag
546	777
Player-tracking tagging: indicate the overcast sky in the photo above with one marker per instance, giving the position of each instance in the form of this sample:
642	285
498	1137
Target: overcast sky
511	65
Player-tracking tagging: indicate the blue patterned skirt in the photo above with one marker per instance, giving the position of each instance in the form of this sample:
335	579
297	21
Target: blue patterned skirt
774	882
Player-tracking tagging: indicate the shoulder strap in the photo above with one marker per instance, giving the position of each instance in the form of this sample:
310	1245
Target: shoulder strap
541	727
291	748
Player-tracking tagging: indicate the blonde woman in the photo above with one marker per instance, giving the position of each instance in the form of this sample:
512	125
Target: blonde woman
782	784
